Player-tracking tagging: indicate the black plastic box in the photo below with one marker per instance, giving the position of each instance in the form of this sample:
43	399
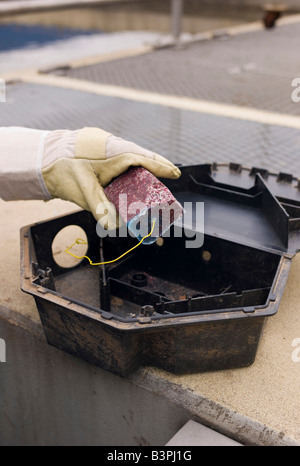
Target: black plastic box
181	309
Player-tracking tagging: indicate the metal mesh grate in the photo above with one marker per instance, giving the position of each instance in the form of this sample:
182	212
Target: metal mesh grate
254	69
182	136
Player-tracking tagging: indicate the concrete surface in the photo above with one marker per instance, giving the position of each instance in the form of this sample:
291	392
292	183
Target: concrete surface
49	397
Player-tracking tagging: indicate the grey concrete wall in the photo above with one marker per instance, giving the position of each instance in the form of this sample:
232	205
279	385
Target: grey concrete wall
48	397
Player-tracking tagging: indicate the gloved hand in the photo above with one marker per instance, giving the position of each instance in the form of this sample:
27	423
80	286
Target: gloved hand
70	165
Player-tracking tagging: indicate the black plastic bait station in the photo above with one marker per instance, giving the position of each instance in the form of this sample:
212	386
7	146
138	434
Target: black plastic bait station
183	309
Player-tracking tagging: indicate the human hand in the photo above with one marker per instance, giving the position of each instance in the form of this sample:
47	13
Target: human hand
79	171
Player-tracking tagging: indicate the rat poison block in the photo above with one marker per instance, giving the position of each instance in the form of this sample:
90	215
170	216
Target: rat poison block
143	201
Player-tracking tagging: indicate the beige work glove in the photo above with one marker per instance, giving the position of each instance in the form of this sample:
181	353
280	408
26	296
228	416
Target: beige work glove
74	166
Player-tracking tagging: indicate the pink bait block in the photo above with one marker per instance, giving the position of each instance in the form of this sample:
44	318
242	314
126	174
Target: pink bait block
141	201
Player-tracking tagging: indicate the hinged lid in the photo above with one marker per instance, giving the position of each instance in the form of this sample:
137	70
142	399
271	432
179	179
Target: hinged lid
248	206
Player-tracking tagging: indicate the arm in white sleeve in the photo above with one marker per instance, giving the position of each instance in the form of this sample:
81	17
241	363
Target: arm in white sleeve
24	152
21	154
74	166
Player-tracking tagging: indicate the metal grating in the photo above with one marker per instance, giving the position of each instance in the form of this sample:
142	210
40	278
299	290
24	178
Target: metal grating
182	136
253	69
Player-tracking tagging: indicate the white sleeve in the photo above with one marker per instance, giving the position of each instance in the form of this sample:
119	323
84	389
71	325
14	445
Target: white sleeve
21	158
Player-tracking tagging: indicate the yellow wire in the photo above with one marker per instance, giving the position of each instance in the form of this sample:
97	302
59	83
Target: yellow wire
81	241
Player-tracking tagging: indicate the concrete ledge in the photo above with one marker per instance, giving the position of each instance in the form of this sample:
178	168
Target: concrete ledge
212	414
